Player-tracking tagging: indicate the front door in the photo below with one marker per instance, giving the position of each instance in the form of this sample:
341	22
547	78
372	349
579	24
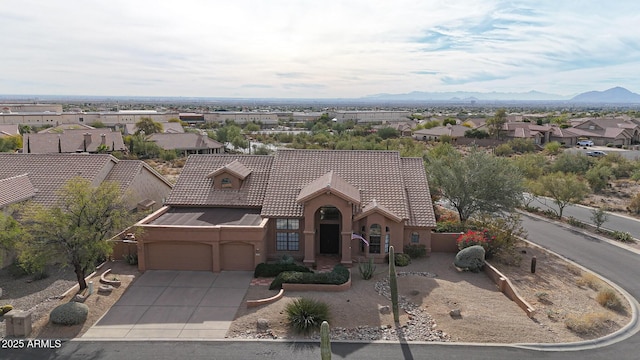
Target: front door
329	238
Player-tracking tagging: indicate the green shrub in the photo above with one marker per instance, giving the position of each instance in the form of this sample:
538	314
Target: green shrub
503	150
71	313
305	315
271	270
400	259
131	259
449	227
622	236
339	275
634	204
415	251
367	269
5	309
609	144
40	274
609	299
286	259
575	222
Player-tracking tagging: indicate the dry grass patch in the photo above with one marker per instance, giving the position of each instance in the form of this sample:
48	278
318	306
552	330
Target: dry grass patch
589	323
608	298
590	280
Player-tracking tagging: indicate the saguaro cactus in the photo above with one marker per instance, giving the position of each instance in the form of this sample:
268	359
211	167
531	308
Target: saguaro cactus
325	342
393	285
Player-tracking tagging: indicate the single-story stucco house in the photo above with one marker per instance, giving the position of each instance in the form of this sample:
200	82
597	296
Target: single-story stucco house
232	212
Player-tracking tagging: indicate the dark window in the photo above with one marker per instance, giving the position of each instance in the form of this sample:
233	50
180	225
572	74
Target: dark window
287	236
226	183
415	238
374	239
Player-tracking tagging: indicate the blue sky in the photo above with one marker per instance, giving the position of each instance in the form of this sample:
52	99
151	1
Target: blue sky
316	49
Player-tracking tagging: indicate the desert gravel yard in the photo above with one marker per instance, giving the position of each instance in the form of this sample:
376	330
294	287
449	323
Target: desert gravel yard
39	296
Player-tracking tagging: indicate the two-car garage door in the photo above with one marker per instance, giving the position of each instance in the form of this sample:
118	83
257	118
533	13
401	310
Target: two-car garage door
197	256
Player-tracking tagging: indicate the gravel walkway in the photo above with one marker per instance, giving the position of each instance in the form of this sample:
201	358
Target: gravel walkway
39	296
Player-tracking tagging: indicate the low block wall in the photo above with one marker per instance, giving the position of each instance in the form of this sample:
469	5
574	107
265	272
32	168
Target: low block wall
259	302
317	287
444	242
507	288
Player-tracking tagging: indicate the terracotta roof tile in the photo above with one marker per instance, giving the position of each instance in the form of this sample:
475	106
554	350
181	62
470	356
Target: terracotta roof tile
376	174
72	141
15	189
185	141
330	182
418	195
235	168
375	207
195	188
48	172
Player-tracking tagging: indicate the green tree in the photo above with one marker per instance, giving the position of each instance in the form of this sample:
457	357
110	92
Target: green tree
564	189
598	177
388	133
495	123
478	182
251	127
568	162
10	231
530	165
74	231
148	126
552	148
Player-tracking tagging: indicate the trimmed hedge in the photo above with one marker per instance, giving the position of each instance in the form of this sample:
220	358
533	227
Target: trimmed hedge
415	251
271	270
339	275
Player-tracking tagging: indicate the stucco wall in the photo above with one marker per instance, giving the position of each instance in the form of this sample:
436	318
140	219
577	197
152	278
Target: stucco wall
444	242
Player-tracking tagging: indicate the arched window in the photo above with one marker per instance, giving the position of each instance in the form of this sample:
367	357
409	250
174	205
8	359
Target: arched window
374	239
387	240
226	183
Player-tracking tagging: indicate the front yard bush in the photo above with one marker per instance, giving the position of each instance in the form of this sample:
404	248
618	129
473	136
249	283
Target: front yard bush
415	251
338	276
590	323
271	270
367	269
305	315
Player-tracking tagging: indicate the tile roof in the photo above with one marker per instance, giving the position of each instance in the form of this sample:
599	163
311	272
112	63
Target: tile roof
398	185
195	188
9	130
72	141
235	168
376	174
15	189
417	188
333	183
185	141
375	207
49	172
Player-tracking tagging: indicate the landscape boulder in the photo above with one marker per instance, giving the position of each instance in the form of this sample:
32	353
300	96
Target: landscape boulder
71	313
471	258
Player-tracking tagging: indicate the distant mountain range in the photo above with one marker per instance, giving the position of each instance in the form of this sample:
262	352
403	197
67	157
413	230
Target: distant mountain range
613	95
616	95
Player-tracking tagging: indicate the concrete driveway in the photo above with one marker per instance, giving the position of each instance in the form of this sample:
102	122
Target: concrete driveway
164	304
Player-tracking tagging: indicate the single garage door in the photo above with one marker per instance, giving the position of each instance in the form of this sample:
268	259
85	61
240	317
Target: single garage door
178	256
235	256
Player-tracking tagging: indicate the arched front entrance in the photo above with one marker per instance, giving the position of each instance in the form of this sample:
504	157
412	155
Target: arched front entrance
329	220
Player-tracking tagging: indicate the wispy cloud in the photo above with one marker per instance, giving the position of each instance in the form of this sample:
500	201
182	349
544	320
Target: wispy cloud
329	48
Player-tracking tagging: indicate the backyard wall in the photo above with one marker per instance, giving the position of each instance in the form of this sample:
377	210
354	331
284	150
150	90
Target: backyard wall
444	242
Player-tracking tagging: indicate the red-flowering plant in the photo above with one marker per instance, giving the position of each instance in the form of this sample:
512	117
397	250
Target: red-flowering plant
475	237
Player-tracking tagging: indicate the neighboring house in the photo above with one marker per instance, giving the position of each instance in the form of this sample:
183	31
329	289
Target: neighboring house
188	143
433	134
231	212
603	131
9	130
39	177
61	128
404	128
167	128
73	141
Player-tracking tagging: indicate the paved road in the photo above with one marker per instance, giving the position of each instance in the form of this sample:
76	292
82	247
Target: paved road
606	259
583	213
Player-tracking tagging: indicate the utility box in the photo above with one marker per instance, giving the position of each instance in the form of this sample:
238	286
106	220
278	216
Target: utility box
18	323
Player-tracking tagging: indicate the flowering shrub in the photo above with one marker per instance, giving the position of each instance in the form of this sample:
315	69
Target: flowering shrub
471	237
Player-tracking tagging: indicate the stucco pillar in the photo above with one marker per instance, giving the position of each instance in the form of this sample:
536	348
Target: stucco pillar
142	264
309	247
346	248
